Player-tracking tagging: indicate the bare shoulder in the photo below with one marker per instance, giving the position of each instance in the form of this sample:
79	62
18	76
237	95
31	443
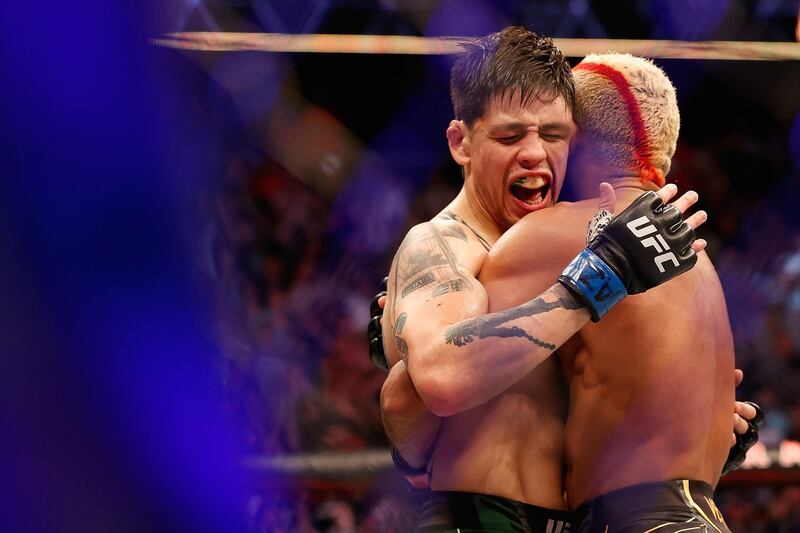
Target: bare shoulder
445	239
439	256
432	282
546	239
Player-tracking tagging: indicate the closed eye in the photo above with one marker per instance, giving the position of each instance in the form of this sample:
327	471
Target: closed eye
553	137
555	133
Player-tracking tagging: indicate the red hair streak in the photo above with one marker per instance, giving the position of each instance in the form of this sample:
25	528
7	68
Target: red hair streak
642	150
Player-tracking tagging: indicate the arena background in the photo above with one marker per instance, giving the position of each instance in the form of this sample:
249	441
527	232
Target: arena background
191	239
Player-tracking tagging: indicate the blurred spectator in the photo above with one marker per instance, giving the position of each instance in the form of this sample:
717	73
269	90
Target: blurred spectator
761	510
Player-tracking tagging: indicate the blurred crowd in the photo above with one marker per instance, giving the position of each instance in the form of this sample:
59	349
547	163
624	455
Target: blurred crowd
292	307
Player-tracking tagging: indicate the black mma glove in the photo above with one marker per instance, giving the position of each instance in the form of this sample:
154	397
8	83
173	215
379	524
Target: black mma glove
645	245
744	442
374	331
416	477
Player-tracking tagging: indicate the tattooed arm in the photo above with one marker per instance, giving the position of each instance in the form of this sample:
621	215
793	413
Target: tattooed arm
457	355
407	421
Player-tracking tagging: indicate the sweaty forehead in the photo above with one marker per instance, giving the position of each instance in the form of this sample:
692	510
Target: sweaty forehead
534	112
507	114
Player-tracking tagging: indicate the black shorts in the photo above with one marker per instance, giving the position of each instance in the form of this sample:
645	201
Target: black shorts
664	507
468	512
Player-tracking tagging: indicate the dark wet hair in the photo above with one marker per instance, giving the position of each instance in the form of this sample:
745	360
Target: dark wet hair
514	59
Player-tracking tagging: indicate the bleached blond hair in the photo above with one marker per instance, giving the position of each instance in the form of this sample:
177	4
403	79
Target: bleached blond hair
627	109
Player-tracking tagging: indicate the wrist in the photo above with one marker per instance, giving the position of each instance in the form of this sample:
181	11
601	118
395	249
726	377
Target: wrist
416	477
594	283
408	464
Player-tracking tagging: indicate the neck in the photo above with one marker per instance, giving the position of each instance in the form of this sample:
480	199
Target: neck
632	182
474	217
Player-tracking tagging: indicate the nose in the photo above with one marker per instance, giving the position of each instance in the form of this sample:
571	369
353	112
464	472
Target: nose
531	152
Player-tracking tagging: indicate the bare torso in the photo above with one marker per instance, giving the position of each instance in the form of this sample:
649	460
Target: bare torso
651	389
651	386
511	446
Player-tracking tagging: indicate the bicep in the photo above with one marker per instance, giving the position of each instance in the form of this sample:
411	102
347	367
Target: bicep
508	285
422	322
429	289
525	262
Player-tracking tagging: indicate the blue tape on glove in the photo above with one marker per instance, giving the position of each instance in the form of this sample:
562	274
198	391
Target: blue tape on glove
594	281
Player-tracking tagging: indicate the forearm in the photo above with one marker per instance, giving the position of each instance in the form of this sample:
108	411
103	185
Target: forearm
474	360
408	423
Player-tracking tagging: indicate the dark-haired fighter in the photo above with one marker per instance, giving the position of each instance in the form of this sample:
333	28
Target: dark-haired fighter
491	374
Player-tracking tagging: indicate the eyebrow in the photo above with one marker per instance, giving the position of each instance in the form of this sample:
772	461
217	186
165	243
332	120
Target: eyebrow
551	127
507	126
556	127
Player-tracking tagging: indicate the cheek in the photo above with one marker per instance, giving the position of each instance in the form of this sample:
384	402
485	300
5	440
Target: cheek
561	155
558	160
558	165
490	164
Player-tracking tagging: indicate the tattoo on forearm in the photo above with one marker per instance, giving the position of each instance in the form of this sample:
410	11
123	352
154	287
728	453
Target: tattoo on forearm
492	325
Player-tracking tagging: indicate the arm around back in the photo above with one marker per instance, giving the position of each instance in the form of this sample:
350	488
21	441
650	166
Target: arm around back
530	255
409	424
456	354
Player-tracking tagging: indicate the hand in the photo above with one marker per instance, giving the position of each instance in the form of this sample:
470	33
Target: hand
742	411
645	245
377	353
743	414
744	440
608	201
747	419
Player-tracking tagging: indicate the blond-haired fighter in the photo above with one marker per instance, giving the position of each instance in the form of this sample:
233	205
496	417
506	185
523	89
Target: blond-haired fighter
641	381
652	385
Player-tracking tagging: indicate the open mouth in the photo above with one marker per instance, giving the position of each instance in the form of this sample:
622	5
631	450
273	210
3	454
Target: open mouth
530	190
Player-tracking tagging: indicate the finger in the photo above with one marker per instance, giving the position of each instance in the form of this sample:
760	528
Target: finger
697	219
687	199
671	217
759	418
733	440
738	376
375	308
699	245
667	192
740	425
745	410
382	302
608	197
374	326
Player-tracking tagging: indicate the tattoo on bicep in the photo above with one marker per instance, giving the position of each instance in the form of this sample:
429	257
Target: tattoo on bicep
493	325
418	283
417	263
453	285
399	342
423	258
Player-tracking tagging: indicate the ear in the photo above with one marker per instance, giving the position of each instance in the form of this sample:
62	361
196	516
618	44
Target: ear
458	142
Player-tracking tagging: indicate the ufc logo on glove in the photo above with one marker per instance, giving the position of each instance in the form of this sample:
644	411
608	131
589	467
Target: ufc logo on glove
639	229
616	264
